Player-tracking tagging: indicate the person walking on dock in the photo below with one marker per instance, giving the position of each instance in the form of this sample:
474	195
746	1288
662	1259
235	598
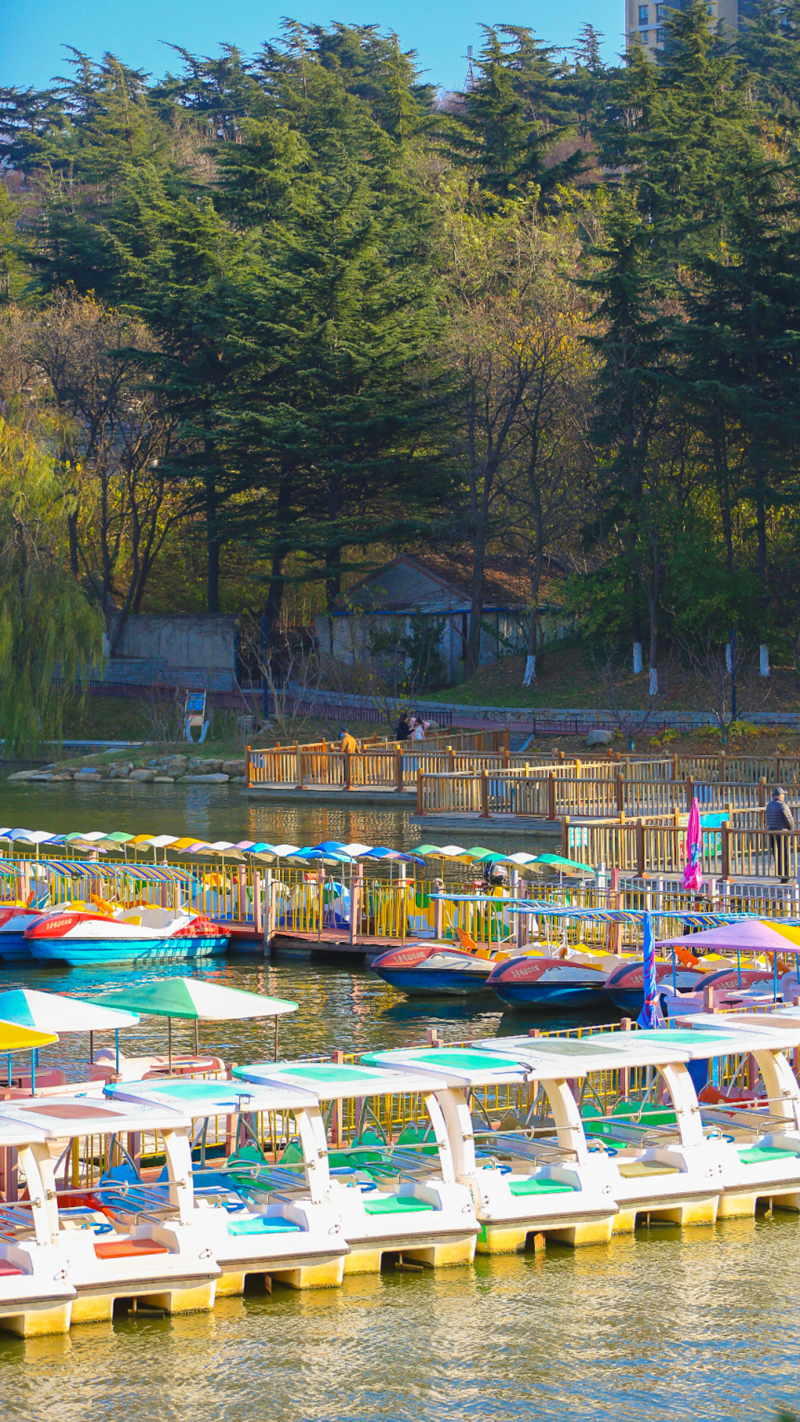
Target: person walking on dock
349	743
780	821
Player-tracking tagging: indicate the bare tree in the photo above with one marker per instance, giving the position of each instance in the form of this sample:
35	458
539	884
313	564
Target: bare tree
114	439
721	670
611	668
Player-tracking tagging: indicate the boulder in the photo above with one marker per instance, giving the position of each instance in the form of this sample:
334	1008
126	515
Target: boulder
118	772
234	768
202	765
179	761
145	777
163	780
23	775
176	768
598	737
213	779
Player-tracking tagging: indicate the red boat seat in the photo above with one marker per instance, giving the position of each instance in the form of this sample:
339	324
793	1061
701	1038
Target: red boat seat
7	1268
128	1248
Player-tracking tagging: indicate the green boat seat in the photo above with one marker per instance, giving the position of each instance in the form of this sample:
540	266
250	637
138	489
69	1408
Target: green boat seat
261	1224
752	1155
634	1169
395	1205
541	1185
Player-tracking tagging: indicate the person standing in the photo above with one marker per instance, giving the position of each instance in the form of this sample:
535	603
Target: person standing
349	743
780	822
418	733
403	729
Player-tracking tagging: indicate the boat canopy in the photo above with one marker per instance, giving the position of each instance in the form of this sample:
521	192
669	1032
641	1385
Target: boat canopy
55	1012
195	1000
16	1038
460	1066
211	1098
60	1116
333	1081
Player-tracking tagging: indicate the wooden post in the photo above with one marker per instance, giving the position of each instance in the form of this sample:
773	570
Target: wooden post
620	787
726	850
242	878
675	767
272	910
551	796
762	793
398	769
347	771
507	739
355	897
258	917
247	767
298	754
565	836
420	810
438	919
689	792
484	795
451	760
640	866
505	757
722	768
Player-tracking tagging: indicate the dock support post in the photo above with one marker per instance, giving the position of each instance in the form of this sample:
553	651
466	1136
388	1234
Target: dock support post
247	767
398	770
551	797
258	916
355	904
420	810
484	795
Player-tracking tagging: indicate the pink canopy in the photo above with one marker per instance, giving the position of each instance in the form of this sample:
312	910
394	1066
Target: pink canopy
752	936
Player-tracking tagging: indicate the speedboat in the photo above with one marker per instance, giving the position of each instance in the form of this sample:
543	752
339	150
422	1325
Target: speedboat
574	980
135	935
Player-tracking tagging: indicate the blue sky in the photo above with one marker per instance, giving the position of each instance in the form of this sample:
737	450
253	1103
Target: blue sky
33	32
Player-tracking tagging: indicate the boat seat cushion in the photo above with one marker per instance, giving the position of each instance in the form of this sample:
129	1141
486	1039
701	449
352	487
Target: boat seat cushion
395	1205
261	1224
634	1169
7	1268
122	1248
541	1185
751	1155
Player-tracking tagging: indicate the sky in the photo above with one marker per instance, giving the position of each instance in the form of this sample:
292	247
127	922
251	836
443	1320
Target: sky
33	33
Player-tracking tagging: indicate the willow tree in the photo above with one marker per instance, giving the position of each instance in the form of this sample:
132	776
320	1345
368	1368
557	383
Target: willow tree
50	634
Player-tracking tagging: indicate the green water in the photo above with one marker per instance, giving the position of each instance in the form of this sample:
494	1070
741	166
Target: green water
703	1324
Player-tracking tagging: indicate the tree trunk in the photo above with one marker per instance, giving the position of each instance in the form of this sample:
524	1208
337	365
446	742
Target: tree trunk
272	611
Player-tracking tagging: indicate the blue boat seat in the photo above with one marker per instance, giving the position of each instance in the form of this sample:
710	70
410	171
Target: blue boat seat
262	1224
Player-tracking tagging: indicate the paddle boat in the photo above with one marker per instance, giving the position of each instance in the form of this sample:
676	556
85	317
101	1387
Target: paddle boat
690	975
36	1294
760	1153
419	1218
113	1241
426	968
655	1159
258	1218
131	936
16	918
572	978
520	1187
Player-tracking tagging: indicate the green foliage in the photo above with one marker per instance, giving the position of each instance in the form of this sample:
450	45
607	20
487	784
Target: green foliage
47	626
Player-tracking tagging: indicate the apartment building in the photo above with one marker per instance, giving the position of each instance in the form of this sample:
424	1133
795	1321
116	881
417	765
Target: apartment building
647	22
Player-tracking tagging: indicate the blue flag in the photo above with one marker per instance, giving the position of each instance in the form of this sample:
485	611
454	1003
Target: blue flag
648	1017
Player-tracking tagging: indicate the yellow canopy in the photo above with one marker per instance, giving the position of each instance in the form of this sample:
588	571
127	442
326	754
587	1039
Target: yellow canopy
23	1039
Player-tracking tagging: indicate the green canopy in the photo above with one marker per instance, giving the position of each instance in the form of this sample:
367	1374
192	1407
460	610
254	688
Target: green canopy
557	861
195	1000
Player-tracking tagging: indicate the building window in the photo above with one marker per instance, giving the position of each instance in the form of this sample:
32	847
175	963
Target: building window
644	14
661	36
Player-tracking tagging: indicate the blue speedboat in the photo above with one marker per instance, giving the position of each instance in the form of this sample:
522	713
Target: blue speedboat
425	969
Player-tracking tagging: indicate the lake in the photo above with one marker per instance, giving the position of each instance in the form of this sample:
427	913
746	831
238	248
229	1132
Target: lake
699	1324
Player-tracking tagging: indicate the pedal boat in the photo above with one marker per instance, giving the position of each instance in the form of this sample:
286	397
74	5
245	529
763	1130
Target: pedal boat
428	969
427	1220
520	1187
257	1218
625	985
132	936
113	1243
36	1295
575	980
657	1159
760	1143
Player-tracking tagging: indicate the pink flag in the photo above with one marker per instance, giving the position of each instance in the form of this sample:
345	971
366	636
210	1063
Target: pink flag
693	871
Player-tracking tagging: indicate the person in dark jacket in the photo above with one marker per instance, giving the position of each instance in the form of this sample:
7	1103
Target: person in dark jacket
403	729
780	821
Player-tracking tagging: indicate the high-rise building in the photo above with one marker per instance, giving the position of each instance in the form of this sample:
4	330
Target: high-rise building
645	20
